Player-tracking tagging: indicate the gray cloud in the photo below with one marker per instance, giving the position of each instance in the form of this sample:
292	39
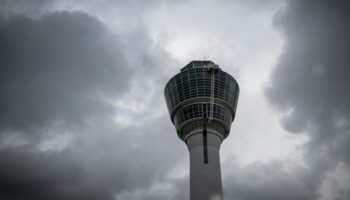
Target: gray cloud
59	73
311	81
56	73
32	7
267	181
103	163
57	70
28	175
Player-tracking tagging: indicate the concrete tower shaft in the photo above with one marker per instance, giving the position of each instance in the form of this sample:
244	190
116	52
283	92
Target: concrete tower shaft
202	101
205	173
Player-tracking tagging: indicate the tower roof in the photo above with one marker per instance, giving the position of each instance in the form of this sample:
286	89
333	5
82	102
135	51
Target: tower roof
197	64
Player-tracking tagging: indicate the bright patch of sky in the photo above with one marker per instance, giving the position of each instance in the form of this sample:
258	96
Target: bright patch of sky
247	47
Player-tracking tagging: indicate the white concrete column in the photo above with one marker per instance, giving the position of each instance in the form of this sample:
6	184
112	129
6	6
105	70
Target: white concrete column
205	178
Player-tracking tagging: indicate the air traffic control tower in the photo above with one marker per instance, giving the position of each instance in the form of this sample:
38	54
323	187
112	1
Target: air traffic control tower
202	101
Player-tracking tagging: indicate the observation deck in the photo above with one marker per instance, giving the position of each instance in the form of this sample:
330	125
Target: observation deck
202	95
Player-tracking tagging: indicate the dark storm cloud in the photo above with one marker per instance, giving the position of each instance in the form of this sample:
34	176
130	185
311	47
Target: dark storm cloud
58	73
104	163
28	175
32	7
131	10
312	77
57	69
311	81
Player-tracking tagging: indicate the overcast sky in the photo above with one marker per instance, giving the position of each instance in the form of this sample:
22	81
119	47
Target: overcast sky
83	116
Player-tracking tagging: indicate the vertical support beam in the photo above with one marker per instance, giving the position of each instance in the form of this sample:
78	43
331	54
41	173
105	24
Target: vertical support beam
205	144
